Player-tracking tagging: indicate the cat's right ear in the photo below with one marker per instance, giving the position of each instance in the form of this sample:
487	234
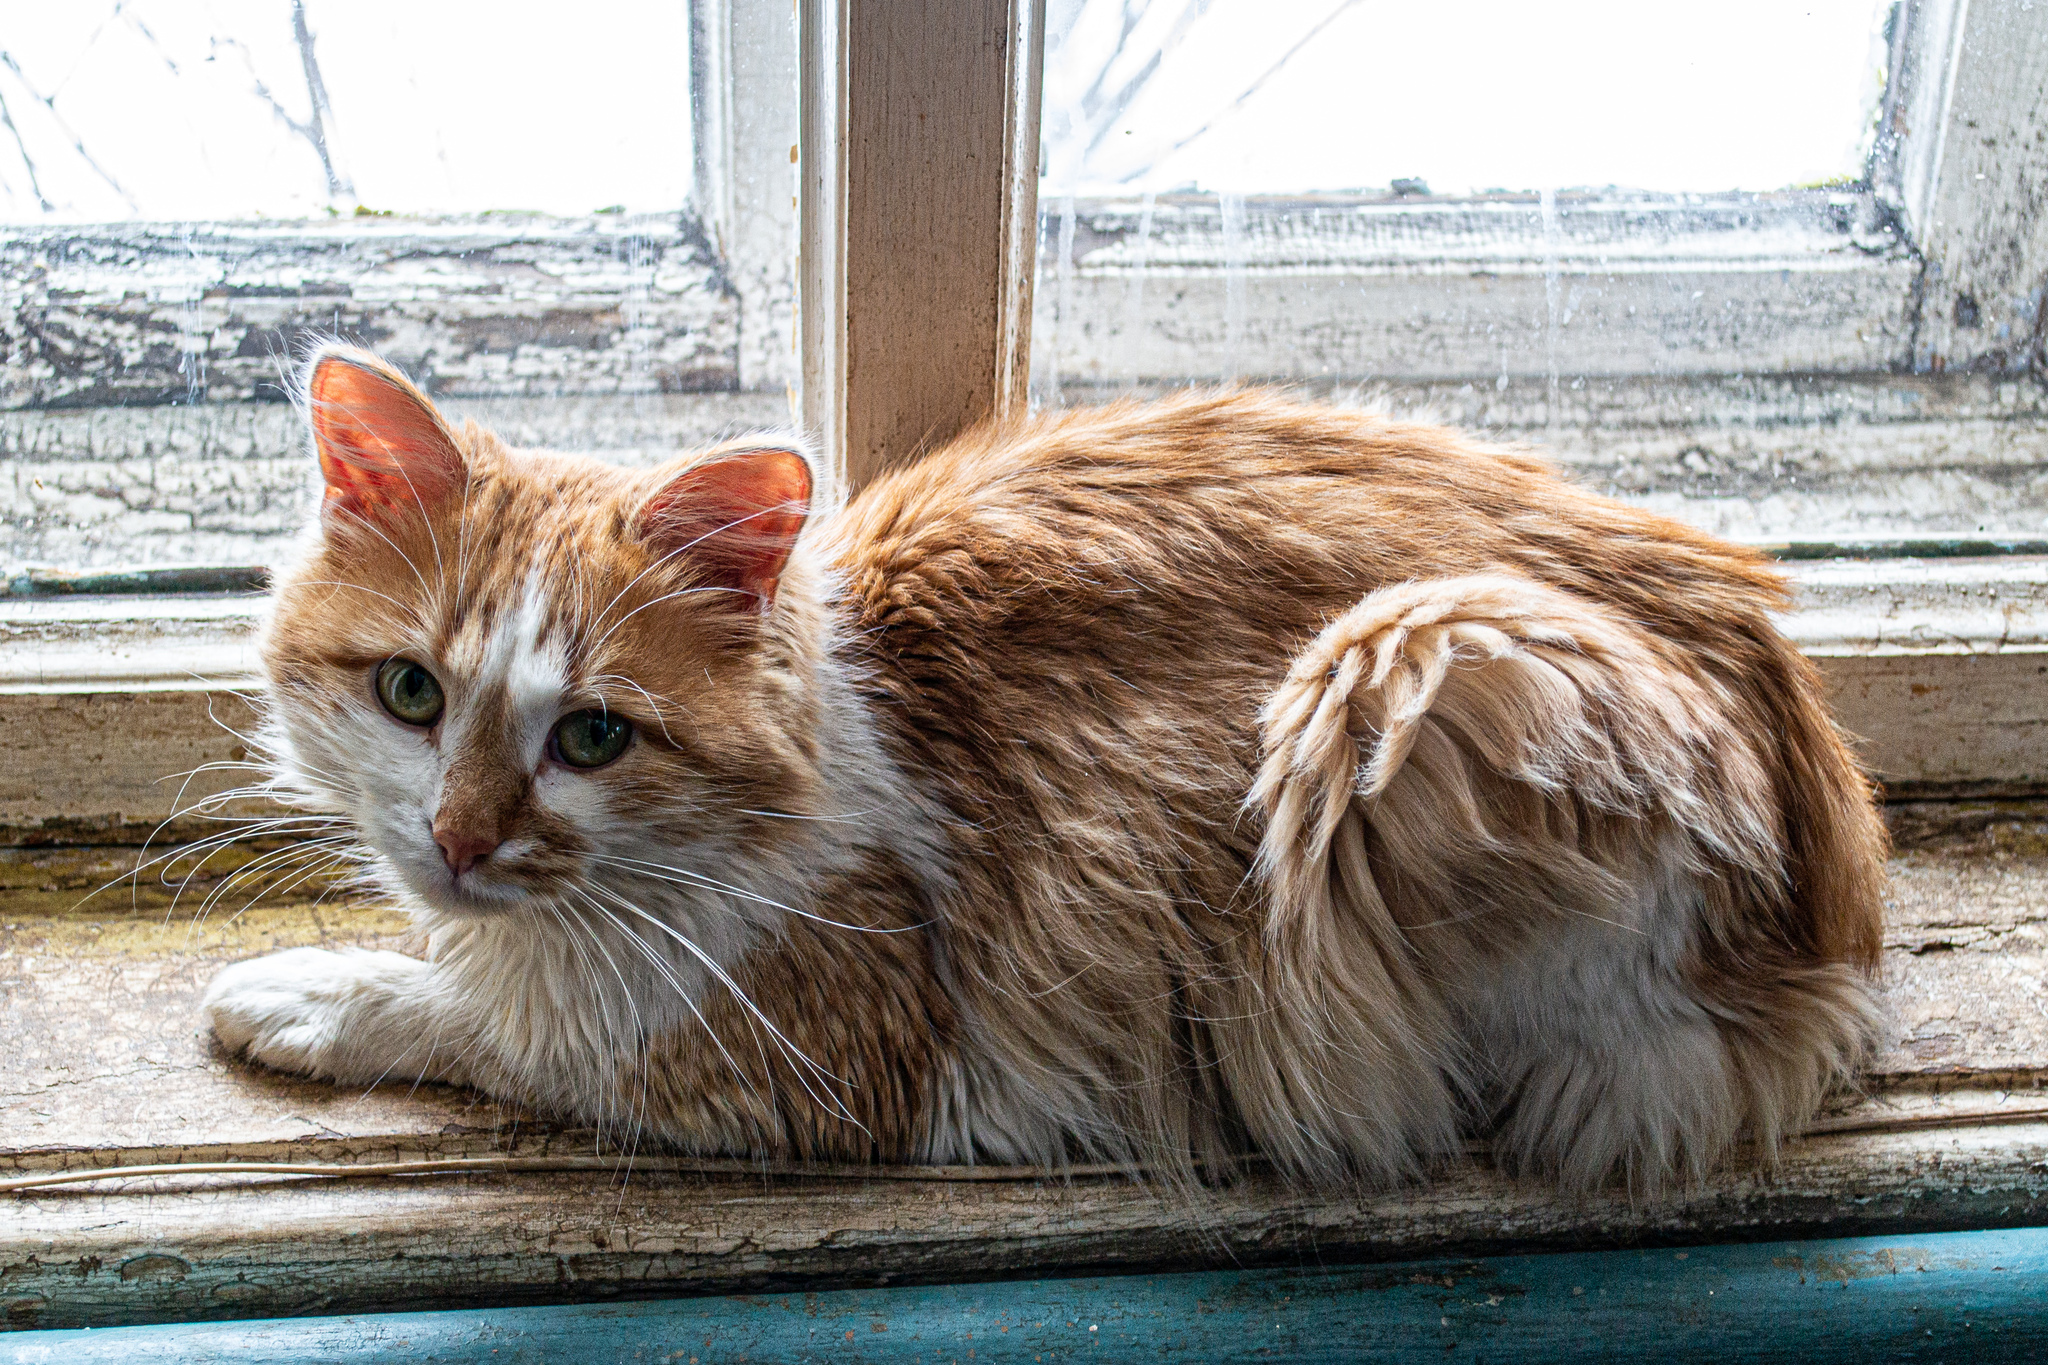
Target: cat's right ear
385	453
736	515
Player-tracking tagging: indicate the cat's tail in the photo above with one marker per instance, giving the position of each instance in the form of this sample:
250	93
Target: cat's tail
1470	682
1547	825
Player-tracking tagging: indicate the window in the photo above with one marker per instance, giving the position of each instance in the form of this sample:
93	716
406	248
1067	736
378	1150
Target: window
1777	270
1674	247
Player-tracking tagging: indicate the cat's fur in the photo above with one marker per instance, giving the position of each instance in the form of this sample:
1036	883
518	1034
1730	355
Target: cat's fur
1161	783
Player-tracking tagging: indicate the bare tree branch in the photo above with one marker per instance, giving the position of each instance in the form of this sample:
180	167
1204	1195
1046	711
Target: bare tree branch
77	144
7	117
1091	97
144	30
1183	23
85	49
338	185
1093	115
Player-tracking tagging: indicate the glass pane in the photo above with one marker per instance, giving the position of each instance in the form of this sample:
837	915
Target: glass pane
1285	96
502	200
165	109
1640	237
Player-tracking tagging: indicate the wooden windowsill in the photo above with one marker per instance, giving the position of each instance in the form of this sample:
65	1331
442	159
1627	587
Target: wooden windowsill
107	1064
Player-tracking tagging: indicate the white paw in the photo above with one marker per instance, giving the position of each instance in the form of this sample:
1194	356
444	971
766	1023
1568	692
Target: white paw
315	1012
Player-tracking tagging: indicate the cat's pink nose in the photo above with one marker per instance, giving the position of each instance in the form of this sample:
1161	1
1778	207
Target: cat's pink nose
462	850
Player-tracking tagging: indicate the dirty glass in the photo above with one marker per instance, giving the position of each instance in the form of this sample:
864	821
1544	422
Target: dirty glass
503	199
168	110
1645	238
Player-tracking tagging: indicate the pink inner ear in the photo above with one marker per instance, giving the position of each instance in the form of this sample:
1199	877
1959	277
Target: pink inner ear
383	450
737	516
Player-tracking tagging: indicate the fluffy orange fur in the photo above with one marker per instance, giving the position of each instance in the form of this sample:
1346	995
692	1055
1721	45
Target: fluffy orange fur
1164	783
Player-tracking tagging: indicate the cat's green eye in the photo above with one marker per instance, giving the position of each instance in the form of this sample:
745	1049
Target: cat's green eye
591	739
409	692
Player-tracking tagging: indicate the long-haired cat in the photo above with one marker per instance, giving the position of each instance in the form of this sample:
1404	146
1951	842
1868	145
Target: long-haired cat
1160	784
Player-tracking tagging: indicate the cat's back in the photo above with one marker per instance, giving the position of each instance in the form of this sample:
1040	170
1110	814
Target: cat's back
1154	662
1082	617
1212	524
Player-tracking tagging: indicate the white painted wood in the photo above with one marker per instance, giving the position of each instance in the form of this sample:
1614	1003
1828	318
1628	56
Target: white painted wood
1162	290
744	129
1918	89
1968	126
1763	457
1844	608
485	305
920	125
233	483
1866	608
821	210
70	645
1017	271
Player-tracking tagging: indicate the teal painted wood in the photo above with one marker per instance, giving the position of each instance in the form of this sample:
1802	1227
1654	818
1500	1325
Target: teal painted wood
1973	1296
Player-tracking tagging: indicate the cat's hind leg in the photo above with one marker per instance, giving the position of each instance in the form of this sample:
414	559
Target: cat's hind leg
1567	832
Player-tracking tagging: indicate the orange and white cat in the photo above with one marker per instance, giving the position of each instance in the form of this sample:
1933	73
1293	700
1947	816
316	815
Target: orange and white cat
1163	783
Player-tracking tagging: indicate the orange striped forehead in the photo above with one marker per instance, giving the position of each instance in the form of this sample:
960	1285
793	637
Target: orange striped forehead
539	545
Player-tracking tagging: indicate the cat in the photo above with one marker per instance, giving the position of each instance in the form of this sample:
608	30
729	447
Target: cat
1166	784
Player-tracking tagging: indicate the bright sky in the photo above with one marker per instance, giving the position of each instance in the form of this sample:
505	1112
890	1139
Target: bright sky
451	105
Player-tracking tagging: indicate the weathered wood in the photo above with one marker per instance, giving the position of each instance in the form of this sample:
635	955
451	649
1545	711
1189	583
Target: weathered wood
121	644
497	304
233	1249
1967	945
1966	953
1965	156
1966	605
99	767
922	144
228	483
1168	290
743	133
1758	456
1945	724
93	760
232	483
1850	1300
107	1066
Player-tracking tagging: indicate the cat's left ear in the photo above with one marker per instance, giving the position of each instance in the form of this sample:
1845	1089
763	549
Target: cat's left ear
736	516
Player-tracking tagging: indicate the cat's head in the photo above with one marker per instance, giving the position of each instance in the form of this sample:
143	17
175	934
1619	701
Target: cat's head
528	678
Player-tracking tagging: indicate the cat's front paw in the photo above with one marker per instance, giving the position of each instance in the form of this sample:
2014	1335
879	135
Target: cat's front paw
319	1013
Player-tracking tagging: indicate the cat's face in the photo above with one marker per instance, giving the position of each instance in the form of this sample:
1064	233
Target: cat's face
537	681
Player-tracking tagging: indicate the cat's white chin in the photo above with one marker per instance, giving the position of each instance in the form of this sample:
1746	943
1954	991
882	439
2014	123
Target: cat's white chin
451	899
467	896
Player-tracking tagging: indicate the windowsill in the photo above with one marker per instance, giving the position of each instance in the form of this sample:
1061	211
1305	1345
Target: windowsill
113	1067
128	643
